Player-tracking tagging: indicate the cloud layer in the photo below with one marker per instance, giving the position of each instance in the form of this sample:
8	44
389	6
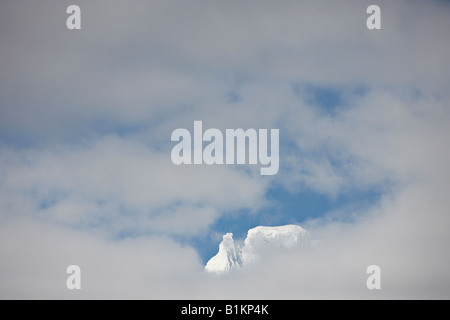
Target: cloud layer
85	123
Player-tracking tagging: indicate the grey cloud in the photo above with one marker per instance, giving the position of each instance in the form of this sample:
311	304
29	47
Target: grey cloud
118	184
132	61
145	68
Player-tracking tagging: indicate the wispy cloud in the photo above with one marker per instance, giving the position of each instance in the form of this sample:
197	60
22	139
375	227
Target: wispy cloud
86	118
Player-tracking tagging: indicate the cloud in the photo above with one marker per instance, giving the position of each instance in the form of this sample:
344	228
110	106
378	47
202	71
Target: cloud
86	118
120	185
134	268
172	60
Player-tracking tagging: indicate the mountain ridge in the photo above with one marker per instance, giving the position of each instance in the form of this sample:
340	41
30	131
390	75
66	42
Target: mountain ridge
259	240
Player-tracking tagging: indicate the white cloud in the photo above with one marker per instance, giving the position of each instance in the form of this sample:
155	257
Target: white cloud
118	184
135	268
161	65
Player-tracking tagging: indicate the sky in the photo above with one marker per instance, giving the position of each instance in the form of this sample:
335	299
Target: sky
86	118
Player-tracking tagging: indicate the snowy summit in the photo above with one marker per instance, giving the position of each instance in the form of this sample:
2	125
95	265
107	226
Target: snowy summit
259	241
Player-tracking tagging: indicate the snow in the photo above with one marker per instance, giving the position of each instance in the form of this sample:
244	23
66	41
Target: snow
260	241
227	259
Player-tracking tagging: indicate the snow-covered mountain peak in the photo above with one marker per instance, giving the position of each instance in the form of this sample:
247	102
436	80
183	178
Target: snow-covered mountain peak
260	240
228	258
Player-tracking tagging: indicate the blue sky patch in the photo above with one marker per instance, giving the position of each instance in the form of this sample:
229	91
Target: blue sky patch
327	98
